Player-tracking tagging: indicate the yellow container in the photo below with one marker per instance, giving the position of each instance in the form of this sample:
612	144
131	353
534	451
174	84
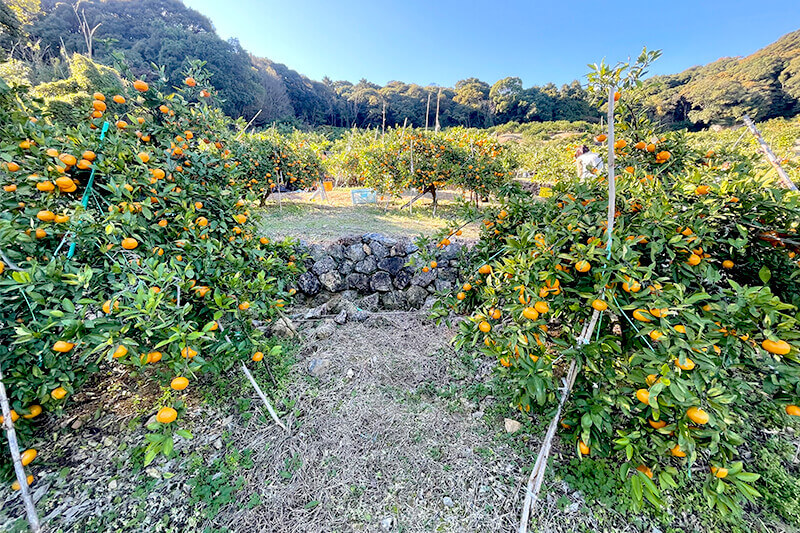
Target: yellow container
328	185
545	192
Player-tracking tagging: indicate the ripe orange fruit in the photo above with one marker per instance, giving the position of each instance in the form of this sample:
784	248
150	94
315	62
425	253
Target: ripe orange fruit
600	138
793	410
28	456
166	415
655	335
258	356
119	351
244	306
485	269
677	452
129	243
688	366
188	352
645	470
620	144
694	259
461	296
697	415
118	98
434	264
643	395
14	417
778	347
45	216
599	305
641	145
140	86
144	156
58	393
727	264
651	378
485	327
12	166
641	315
583	448
15	485
34	411
190	81
583	266
63	346
657	424
179	383
702	189
719	472
107	306
530	313
680	328
542	307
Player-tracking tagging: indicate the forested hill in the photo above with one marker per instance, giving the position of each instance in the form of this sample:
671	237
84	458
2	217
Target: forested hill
165	32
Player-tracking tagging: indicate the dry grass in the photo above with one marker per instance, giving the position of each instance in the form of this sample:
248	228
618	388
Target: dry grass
371	443
296	215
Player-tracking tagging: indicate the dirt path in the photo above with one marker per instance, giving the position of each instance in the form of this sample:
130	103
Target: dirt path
374	447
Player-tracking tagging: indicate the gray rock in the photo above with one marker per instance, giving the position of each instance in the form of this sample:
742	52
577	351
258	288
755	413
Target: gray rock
336	251
358	281
341	318
317	367
415	296
423	279
379	237
380	281
443	286
448	274
354	252
451	251
448	502
359	315
369	303
349	295
411	248
332	281
316	252
346	267
377	249
367	266
315	312
511	425
283	328
324	265
387	523
326	329
403	278
393	300
308	284
392	265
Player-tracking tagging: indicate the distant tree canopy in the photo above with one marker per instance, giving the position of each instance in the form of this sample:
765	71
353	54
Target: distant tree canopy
150	33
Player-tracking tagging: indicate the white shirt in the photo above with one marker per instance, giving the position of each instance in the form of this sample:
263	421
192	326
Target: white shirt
586	162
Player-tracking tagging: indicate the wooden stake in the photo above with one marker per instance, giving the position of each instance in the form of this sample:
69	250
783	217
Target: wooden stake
785	180
19	470
263	397
438	98
427	111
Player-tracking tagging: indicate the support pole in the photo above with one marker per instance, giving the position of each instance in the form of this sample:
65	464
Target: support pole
785	180
19	470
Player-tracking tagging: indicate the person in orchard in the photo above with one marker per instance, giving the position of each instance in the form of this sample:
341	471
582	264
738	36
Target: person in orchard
587	163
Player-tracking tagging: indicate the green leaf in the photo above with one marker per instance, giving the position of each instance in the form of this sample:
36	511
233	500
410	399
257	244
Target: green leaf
764	274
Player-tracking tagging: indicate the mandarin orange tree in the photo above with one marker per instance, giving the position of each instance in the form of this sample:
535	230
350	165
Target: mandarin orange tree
426	161
127	239
688	338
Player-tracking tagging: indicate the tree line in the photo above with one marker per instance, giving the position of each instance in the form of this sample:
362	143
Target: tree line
151	33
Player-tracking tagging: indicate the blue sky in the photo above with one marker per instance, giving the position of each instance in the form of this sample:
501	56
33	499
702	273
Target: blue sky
443	41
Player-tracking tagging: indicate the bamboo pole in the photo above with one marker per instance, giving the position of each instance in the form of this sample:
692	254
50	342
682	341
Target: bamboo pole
536	477
785	180
263	397
19	470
